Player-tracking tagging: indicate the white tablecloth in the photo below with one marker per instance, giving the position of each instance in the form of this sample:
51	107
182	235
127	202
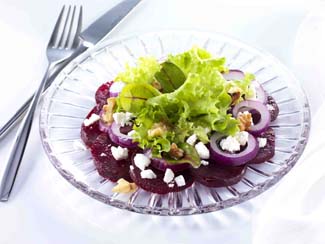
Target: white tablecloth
44	208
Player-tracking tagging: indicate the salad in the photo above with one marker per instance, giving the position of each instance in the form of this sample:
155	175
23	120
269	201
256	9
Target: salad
163	125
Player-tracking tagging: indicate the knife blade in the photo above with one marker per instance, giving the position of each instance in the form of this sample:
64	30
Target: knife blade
94	33
107	22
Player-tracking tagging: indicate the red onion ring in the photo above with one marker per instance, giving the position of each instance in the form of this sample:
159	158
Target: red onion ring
234	74
232	159
263	124
120	138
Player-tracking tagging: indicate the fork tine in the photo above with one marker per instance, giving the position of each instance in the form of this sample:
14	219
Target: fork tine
78	30
66	45
64	28
56	28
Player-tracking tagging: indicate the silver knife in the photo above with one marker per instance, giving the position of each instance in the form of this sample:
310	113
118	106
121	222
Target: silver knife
94	33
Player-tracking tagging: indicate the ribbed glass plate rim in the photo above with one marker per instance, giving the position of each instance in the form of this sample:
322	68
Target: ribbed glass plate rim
241	197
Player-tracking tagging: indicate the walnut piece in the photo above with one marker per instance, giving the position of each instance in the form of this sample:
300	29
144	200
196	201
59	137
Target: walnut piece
108	110
158	129
175	151
123	186
245	120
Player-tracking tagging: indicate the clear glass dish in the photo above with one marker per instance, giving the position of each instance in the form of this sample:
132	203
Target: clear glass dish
71	97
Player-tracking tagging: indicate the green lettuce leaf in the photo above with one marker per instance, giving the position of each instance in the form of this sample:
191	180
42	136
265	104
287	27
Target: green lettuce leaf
133	96
170	77
143	72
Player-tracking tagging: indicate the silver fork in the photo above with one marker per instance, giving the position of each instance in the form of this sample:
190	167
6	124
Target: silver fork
63	43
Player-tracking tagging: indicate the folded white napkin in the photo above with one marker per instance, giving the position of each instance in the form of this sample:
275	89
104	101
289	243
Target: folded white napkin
295	212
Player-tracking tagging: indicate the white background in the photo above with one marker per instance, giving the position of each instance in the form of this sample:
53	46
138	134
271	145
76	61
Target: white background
44	208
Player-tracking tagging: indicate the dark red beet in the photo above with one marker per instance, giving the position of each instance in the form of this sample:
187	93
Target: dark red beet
89	133
214	175
102	93
158	185
266	152
105	163
275	111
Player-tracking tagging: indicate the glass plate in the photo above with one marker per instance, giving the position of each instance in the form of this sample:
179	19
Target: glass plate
71	97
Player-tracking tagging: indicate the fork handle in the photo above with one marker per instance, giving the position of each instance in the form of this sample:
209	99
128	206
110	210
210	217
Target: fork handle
17	151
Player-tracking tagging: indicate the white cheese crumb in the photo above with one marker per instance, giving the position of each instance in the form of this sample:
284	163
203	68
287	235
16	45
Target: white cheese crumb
117	87
191	140
202	150
122	118
230	144
141	161
148	174
119	153
261	142
169	176
269	107
131	167
92	119
242	137
180	181
78	145
204	162
131	133
171	185
102	155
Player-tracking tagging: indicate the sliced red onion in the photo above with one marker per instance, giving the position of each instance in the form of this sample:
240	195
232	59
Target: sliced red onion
232	159
234	74
120	138
260	93
116	88
264	122
162	164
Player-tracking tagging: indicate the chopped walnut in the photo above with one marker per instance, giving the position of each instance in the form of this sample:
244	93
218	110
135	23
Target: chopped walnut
175	151
158	129
156	84
245	120
123	186
235	94
108	110
235	97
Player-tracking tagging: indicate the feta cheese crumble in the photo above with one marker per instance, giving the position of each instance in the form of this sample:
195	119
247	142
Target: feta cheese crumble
171	185
261	142
180	181
242	137
169	176
148	174
119	153
191	140
131	133
230	144
141	161
202	150
92	119
117	87
122	118
204	163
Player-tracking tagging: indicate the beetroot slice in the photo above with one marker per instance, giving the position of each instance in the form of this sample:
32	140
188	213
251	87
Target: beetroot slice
215	175
90	133
158	185
102	93
266	152
275	111
107	166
